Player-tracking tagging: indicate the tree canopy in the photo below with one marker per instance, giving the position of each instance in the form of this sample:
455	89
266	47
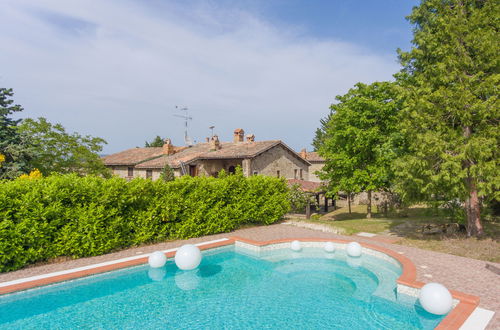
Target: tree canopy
13	145
359	139
156	142
451	78
55	150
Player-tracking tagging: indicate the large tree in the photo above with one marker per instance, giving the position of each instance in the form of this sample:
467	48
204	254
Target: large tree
13	145
55	150
451	78
157	142
359	139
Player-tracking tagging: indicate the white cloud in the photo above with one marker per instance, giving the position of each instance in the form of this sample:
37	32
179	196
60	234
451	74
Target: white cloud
116	69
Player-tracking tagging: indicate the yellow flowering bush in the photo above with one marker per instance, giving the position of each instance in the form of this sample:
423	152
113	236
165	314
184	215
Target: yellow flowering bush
2	159
35	174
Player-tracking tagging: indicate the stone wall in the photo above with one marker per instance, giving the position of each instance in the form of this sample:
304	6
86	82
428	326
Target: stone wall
122	172
214	166
377	197
279	159
313	168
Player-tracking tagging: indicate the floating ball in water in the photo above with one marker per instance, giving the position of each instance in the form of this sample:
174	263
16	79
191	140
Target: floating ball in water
435	298
295	246
355	262
188	257
157	274
157	259
187	280
354	249
329	247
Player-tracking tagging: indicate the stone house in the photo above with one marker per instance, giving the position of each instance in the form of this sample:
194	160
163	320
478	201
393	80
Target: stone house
272	158
317	162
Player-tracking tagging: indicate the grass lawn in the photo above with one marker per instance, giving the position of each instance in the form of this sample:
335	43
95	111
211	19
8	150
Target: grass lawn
408	228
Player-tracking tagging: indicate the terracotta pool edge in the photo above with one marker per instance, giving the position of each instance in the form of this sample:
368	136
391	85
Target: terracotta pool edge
454	320
97	270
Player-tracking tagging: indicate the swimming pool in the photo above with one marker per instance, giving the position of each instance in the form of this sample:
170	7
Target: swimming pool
234	287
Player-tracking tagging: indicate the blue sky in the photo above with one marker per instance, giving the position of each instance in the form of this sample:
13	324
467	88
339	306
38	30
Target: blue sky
117	69
378	25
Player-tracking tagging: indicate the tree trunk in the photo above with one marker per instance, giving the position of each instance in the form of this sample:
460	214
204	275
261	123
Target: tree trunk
349	201
472	204
473	210
308	209
369	207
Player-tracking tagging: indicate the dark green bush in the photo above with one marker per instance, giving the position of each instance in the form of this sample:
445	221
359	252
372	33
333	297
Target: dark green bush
68	215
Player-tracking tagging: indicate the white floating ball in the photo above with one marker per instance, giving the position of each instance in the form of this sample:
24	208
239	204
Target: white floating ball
157	274
157	259
295	246
355	262
329	247
353	249
188	257
435	298
187	280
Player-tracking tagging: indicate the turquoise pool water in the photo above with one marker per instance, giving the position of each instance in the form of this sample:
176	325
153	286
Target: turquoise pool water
232	289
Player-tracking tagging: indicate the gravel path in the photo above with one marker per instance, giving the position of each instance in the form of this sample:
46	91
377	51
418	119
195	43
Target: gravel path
467	275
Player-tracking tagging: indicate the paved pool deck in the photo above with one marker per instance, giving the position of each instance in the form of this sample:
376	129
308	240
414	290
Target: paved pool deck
458	273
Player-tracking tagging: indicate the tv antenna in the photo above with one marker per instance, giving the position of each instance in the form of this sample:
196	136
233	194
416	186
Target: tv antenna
185	116
211	131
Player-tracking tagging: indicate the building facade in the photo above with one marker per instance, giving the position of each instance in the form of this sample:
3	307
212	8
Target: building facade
317	162
271	158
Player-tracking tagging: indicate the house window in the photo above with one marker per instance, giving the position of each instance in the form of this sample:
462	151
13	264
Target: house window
149	174
301	177
130	171
295	173
278	173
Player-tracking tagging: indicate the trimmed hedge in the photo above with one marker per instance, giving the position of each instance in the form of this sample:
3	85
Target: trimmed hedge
68	215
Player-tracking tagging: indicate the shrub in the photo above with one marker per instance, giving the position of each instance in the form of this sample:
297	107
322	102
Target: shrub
68	215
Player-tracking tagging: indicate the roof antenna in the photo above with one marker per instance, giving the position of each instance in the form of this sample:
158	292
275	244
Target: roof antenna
211	131
187	139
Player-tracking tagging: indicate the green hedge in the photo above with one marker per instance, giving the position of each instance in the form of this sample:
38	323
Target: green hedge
68	215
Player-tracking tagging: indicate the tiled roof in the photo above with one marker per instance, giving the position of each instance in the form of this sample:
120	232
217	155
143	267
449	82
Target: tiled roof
309	186
175	160
312	156
132	156
229	150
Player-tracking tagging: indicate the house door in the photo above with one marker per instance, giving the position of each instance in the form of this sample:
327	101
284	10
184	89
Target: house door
193	170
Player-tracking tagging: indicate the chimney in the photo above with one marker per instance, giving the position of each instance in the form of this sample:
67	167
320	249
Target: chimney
303	153
250	138
207	139
238	135
214	143
168	147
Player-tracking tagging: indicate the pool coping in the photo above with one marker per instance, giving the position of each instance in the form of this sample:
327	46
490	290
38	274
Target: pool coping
454	320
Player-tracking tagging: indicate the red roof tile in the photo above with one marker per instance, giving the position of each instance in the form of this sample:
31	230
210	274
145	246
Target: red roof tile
132	156
309	186
313	156
175	160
